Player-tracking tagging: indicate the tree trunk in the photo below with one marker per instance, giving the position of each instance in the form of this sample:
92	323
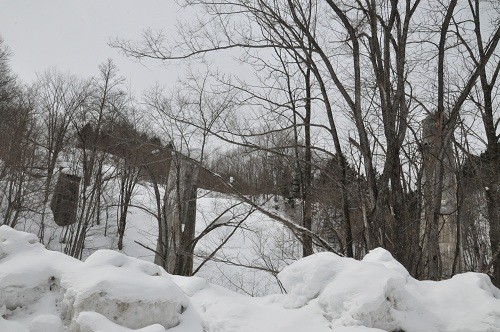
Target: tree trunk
493	206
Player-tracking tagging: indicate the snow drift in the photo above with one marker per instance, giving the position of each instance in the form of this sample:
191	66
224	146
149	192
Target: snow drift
42	290
108	289
378	292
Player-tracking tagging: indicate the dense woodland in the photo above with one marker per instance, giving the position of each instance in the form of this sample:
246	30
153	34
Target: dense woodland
369	123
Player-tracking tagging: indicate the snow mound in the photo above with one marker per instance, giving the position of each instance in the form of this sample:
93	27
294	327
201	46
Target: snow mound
43	291
123	288
49	291
382	256
307	278
378	292
27	269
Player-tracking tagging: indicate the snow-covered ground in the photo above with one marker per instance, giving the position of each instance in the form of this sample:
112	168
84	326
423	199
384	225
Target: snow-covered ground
255	282
42	290
247	262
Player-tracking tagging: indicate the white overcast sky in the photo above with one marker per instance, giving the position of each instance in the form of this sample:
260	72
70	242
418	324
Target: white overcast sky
72	36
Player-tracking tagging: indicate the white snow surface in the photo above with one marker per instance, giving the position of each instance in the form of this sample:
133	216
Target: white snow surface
43	290
122	288
49	291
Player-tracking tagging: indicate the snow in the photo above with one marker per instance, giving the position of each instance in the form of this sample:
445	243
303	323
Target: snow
28	270
223	310
95	322
43	290
378	292
259	242
44	323
305	279
122	288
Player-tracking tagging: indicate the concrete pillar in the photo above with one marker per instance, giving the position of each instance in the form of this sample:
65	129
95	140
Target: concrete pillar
447	228
181	214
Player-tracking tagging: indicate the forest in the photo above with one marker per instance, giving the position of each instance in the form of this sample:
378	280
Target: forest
351	124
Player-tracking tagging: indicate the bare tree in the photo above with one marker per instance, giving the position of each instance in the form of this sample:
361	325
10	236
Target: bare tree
176	205
18	157
366	59
478	42
59	98
106	100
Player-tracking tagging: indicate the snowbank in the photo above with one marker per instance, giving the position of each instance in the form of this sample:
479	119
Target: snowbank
27	269
122	289
46	290
42	291
378	292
